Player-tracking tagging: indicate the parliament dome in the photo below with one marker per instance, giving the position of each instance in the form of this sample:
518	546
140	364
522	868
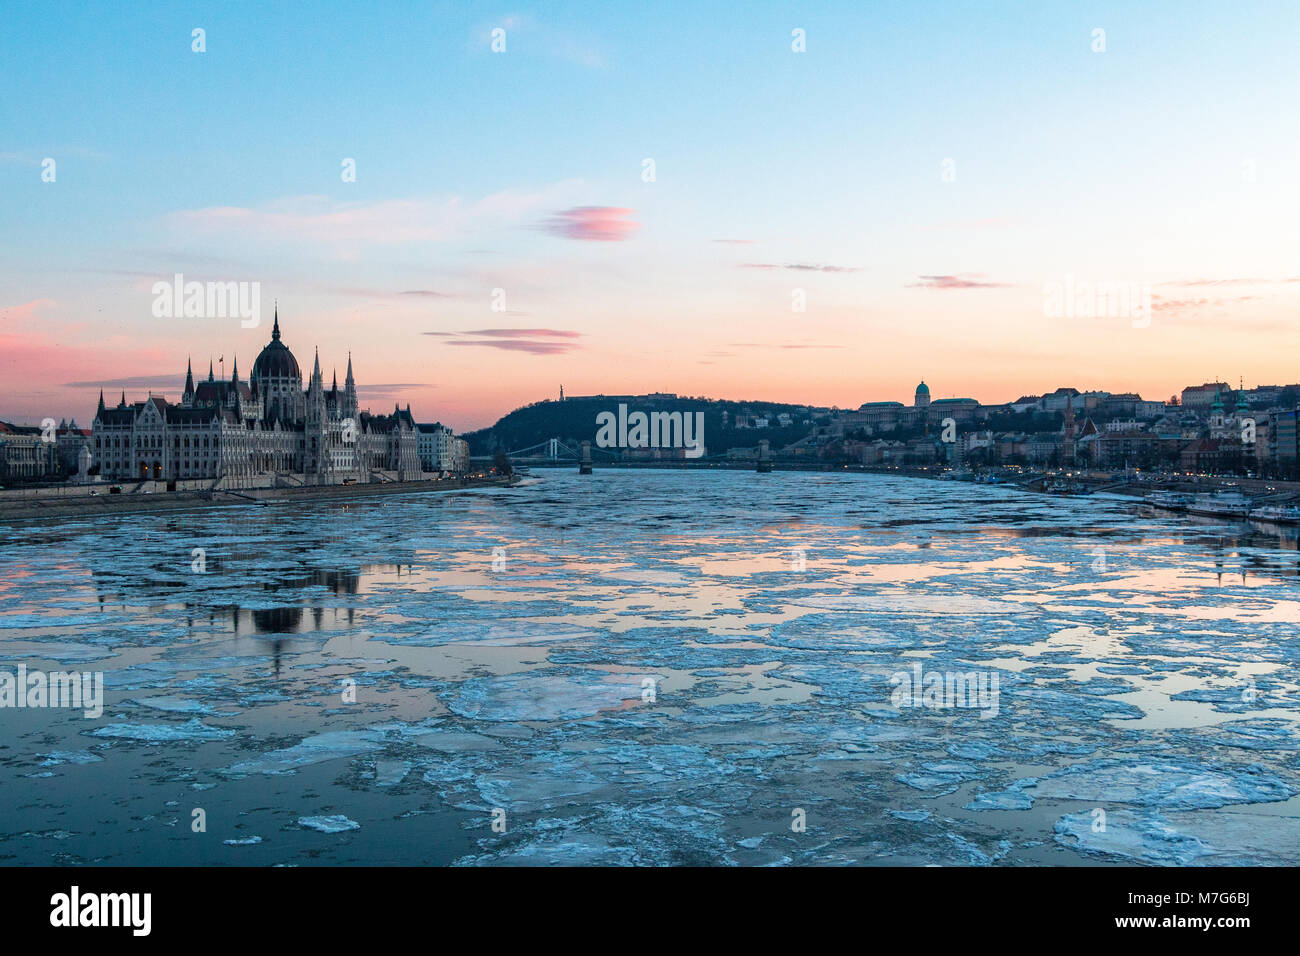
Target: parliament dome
276	361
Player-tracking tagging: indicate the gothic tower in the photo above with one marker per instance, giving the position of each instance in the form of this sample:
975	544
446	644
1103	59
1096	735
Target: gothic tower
317	431
349	393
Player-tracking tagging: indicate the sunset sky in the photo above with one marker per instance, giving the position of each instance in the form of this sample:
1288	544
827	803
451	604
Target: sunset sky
921	172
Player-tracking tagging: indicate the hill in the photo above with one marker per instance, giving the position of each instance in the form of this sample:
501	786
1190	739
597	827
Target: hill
574	420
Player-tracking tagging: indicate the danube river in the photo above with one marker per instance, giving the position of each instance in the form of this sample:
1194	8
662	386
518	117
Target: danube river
645	667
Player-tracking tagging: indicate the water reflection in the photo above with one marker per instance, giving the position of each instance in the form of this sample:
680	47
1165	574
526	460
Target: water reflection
298	602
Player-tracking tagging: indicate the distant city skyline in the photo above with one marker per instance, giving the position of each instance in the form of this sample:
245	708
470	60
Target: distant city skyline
133	388
622	202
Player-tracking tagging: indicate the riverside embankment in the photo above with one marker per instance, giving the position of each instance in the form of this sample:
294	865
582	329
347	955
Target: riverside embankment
34	505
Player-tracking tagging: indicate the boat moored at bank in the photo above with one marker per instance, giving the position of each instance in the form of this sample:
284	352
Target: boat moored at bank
1220	504
1168	500
1276	514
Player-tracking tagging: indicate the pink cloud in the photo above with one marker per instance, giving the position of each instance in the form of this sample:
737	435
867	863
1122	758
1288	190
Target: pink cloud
515	340
24	312
526	333
592	223
1177	305
521	345
159	382
1160	304
1199	282
800	267
965	280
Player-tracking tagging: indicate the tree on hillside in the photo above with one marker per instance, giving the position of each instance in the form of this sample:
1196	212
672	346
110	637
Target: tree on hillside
501	464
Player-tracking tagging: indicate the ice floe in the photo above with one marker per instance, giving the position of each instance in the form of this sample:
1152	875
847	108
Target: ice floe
192	730
1158	783
331	824
546	696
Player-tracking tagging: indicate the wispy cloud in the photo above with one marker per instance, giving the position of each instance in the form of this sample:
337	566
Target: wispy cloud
800	267
1161	304
523	345
592	223
386	391
781	345
25	311
1217	314
159	382
964	280
529	36
515	333
318	218
516	340
1217	282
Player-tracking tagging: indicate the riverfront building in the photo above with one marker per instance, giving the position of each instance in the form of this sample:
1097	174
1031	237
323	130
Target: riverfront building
441	451
38	452
268	425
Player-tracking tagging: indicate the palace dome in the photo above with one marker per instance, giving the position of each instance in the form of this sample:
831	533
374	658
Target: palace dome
276	361
923	389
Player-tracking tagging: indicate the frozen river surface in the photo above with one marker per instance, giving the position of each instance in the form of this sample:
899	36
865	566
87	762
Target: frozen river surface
651	667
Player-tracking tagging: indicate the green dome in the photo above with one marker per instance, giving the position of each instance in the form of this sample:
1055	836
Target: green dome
923	389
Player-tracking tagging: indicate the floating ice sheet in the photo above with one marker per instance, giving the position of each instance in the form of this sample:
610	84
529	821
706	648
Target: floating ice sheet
331	824
545	696
1158	784
192	730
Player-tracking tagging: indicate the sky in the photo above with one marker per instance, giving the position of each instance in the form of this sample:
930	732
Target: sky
819	203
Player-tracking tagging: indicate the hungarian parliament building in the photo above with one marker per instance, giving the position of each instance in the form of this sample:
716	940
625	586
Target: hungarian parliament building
268	425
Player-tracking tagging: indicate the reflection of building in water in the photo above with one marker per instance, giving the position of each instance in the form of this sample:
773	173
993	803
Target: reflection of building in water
1259	553
289	618
285	616
1225	563
273	620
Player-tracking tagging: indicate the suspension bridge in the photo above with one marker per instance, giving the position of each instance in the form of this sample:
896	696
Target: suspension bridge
552	449
558	452
555	451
